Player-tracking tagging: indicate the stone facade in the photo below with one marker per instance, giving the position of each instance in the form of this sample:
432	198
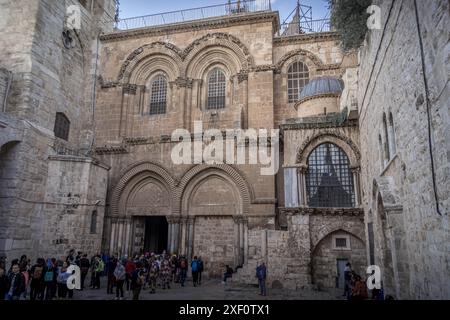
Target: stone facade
404	73
112	185
49	188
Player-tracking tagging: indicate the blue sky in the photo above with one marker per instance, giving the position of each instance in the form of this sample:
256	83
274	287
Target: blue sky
133	8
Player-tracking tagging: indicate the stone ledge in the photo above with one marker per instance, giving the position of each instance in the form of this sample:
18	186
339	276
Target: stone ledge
323	211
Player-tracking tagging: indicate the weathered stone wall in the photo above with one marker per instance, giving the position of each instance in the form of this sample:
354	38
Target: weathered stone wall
47	78
399	193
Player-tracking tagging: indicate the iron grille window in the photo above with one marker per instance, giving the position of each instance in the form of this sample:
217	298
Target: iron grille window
329	181
298	78
62	126
341	242
158	97
216	90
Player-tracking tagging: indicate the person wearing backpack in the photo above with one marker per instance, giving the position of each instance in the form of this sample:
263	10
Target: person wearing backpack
99	266
194	269
183	270
37	280
50	276
200	270
137	281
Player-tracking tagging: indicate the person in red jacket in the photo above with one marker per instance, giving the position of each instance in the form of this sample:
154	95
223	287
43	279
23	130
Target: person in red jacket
130	267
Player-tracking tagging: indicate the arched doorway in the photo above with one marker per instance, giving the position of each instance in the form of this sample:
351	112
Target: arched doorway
213	206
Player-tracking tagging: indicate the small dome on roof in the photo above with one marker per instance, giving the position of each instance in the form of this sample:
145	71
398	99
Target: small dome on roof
322	85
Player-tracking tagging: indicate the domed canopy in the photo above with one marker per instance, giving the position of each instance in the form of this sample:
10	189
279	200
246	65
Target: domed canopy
321	86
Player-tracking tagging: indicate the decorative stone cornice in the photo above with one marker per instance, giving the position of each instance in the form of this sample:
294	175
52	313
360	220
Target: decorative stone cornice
111	150
355	212
136	140
306	37
317	125
211	23
264	67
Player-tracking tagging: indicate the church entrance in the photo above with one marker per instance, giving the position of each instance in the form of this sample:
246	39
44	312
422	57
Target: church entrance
156	232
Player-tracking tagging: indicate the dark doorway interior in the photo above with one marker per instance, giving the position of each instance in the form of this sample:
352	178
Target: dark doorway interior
156	231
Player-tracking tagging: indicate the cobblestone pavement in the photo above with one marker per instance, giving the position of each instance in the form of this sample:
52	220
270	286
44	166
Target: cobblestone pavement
213	290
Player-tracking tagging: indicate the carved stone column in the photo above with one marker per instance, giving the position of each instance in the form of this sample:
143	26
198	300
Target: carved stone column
302	195
190	236
355	173
183	225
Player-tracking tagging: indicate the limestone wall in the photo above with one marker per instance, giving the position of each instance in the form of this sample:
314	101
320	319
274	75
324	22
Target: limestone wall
399	193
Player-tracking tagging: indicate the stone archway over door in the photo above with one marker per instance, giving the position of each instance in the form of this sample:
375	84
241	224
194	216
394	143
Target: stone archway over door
145	191
213	208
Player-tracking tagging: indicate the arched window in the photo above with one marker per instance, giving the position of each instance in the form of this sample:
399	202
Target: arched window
329	180
392	146
216	90
158	95
298	78
382	157
94	222
62	126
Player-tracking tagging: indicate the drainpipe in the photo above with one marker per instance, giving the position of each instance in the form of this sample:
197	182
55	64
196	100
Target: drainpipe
8	87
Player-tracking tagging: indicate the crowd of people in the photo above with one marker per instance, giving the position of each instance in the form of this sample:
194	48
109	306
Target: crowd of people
47	278
356	287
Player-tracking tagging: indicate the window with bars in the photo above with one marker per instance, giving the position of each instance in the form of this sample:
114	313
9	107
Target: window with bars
216	90
62	126
329	180
158	95
298	78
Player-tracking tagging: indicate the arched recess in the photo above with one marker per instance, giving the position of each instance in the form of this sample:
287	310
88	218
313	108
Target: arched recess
328	259
356	231
311	60
226	43
341	141
140	61
227	173
389	234
137	177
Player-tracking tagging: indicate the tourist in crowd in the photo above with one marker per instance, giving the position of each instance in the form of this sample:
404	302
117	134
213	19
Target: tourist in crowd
359	291
50	276
137	281
194	270
110	268
62	278
166	271
228	274
200	270
37	280
16	283
153	273
130	267
4	283
261	274
98	267
84	269
348	272
119	275
183	270
71	258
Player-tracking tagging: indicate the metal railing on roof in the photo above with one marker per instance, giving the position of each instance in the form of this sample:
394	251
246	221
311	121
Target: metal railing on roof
228	9
309	26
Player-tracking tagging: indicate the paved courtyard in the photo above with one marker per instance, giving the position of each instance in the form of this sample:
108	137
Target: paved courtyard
213	290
